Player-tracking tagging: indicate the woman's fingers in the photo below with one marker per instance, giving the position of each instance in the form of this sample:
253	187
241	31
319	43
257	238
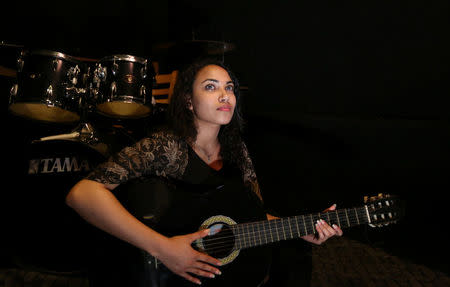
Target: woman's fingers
324	231
339	231
208	259
202	269
331	208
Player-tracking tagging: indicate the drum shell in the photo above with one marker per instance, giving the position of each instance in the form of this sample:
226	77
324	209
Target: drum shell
50	87
122	86
49	235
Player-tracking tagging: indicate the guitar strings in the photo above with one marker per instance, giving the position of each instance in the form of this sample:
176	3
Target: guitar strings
234	240
219	243
272	227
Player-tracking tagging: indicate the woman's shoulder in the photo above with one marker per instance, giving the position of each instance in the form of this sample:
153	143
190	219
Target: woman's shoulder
164	137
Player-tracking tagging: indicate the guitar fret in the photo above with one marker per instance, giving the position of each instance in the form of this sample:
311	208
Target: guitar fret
270	230
346	215
236	235
328	216
265	231
304	225
337	217
282	226
254	234
364	215
290	229
247	235
260	235
240	237
243	236
276	229
312	223
298	229
356	213
262	232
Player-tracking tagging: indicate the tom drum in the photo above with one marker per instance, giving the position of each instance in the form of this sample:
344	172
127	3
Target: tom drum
50	86
121	86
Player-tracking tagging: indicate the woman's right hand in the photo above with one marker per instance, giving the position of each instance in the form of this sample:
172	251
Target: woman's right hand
179	256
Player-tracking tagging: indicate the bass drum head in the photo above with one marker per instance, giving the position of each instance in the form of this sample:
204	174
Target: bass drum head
50	235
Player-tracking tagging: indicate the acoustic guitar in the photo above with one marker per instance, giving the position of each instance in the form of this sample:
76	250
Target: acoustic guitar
240	235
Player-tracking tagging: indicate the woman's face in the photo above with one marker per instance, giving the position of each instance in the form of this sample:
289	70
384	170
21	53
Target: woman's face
213	100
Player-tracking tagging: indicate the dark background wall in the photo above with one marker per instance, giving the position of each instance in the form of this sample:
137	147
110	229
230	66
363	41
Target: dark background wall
344	99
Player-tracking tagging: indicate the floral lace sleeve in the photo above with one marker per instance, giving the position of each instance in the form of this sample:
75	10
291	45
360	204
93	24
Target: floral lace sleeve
249	174
162	154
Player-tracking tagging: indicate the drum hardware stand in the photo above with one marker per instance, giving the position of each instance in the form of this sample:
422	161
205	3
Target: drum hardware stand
84	132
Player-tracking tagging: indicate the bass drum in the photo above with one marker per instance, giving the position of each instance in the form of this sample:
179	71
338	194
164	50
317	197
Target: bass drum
50	87
121	87
49	235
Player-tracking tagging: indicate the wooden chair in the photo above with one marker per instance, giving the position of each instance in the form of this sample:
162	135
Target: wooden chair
163	90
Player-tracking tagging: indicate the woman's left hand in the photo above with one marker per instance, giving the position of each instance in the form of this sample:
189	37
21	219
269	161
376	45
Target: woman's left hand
324	231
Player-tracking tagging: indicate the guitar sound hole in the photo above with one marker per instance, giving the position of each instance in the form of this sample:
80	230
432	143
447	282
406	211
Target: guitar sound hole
220	244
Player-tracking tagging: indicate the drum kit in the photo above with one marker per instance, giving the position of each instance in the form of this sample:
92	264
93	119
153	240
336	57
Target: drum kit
77	96
53	91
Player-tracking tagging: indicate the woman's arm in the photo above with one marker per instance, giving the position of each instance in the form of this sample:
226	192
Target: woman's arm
98	206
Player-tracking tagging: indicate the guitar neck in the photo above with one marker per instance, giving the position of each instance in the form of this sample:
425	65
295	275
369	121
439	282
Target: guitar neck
269	231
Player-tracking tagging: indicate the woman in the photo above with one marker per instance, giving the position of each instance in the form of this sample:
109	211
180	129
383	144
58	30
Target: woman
201	145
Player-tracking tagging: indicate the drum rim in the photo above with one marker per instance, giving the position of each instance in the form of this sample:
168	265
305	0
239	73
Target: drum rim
51	53
124	57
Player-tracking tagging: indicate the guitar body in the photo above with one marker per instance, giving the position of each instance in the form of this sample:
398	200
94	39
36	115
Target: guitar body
219	202
177	208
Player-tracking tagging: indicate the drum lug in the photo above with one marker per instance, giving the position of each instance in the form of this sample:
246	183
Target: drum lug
114	68
144	71
143	93
72	74
113	89
19	64
49	93
55	64
100	74
13	93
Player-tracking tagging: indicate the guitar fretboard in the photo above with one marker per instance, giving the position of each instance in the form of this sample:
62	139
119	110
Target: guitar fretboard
269	231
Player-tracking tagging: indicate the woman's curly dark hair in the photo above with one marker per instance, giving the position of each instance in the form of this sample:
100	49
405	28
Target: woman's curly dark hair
181	118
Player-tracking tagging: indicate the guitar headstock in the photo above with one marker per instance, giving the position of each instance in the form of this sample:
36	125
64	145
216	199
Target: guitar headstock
383	209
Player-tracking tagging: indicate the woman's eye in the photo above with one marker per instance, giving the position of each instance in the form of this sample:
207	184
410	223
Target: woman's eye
230	88
209	87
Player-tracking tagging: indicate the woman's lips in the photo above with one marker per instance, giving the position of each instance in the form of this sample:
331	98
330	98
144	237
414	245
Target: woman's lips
224	108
